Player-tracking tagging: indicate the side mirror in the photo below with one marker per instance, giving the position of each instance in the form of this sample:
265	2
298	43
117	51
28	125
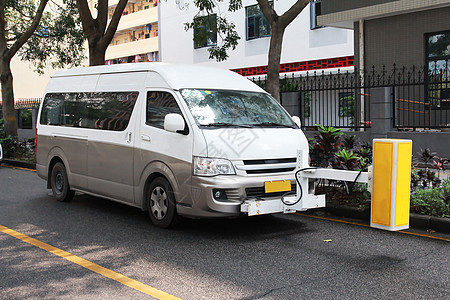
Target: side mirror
297	121
174	123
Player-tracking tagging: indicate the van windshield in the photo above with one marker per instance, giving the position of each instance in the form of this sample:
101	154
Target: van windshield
217	108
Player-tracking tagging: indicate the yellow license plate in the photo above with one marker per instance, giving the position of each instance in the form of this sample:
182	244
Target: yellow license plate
277	186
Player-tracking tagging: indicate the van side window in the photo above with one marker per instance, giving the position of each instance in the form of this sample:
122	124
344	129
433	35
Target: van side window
99	110
51	111
159	104
111	111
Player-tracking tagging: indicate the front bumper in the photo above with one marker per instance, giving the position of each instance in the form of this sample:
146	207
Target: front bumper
238	189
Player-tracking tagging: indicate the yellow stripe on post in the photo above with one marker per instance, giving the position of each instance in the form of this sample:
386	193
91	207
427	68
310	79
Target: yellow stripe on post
382	179
403	184
391	184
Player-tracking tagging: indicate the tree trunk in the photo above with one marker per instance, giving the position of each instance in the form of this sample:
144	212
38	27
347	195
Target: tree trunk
273	67
9	114
99	33
278	25
96	54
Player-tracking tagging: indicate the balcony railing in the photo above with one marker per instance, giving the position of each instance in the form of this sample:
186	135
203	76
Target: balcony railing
140	18
112	3
132	48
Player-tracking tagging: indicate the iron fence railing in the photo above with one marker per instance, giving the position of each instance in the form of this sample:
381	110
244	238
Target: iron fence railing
419	97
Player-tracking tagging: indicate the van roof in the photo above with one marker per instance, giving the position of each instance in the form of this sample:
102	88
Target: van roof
177	76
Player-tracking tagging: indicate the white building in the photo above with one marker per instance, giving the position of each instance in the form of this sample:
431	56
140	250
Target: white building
305	46
136	38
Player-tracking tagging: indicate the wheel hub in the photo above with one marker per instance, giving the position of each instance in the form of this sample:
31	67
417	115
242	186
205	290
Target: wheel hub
159	203
59	182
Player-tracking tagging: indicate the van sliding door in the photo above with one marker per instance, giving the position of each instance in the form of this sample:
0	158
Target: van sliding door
111	145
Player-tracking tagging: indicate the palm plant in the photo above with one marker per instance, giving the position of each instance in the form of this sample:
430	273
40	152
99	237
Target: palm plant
326	145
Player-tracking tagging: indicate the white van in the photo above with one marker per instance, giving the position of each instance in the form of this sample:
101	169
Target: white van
171	139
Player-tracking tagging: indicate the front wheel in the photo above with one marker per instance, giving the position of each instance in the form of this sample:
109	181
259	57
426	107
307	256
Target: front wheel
161	203
60	184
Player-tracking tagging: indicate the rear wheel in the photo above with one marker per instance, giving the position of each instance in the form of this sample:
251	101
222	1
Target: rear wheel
161	203
60	184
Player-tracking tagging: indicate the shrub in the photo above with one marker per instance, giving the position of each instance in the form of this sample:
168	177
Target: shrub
15	148
347	160
432	201
429	195
349	141
327	143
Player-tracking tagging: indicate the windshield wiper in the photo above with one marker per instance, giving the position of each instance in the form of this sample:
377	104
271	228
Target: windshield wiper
223	124
273	124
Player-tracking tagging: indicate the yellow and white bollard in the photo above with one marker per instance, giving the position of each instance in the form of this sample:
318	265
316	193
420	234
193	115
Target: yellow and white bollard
391	184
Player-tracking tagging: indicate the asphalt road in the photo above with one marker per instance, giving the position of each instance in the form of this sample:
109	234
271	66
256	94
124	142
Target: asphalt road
268	257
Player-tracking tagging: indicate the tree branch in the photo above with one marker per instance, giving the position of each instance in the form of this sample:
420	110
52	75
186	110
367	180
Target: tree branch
293	12
3	42
268	11
112	27
86	17
27	34
102	15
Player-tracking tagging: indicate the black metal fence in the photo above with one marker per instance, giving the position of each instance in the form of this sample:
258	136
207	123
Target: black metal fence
417	97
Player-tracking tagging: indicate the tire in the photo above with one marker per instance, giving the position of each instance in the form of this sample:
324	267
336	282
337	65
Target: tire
60	183
161	203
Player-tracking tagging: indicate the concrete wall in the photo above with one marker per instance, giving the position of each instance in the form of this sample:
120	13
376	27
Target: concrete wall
332	6
300	42
400	39
438	142
27	83
27	133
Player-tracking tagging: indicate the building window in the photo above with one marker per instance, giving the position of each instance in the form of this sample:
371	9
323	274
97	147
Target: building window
257	24
437	61
316	10
205	34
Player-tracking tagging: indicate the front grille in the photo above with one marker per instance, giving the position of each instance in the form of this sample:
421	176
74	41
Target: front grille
259	192
270	161
267	166
263	171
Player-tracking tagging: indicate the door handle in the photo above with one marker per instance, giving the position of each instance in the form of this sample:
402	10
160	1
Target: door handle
145	137
129	137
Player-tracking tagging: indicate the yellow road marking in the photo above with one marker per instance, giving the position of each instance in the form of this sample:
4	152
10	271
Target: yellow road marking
19	168
146	289
366	225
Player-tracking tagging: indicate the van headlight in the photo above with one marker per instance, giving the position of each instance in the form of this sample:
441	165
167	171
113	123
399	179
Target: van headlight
204	166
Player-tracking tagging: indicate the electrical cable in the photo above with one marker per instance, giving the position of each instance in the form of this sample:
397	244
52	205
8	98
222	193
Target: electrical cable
356	179
354	182
348	190
300	187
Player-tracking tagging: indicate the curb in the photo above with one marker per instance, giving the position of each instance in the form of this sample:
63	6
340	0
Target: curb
415	221
19	163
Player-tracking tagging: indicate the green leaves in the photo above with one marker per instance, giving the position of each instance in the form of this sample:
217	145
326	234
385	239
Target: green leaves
230	39
205	5
432	201
330	130
346	160
209	25
326	145
235	5
59	39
